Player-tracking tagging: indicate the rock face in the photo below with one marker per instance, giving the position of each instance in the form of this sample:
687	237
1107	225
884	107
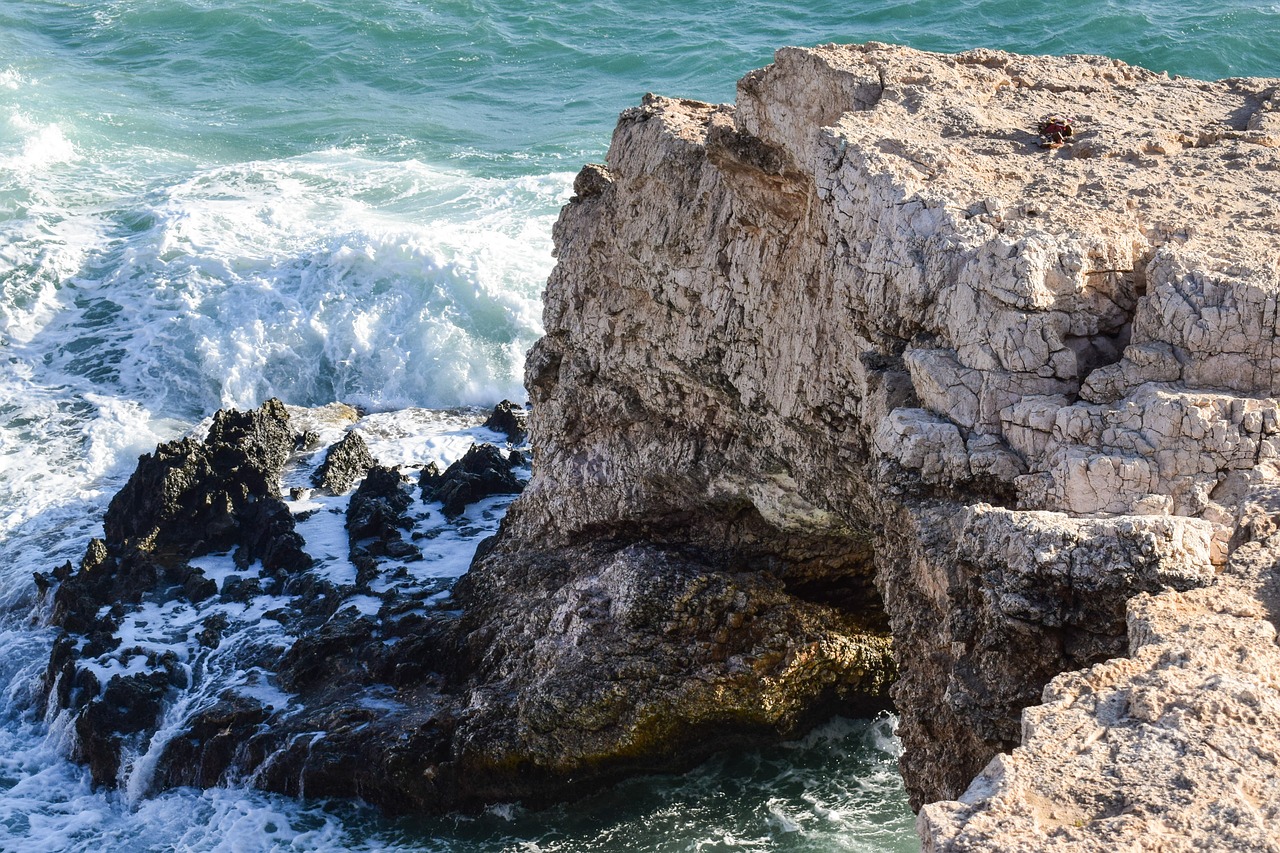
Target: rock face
852	358
861	325
1172	748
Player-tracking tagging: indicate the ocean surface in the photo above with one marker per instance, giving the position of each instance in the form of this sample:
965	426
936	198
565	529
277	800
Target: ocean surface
206	203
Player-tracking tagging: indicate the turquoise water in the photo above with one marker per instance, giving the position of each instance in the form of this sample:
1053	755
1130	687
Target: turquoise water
208	202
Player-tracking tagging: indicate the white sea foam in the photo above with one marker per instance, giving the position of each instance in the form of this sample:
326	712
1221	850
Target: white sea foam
328	276
316	278
60	460
323	526
40	145
285	279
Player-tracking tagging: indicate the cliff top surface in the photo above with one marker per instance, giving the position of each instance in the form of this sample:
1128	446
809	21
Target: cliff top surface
1177	159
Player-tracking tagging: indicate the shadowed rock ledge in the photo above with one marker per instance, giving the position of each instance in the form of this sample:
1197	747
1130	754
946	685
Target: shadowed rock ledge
856	357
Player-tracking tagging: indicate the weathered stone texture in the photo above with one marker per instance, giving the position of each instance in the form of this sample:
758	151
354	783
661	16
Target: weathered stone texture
864	305
853	358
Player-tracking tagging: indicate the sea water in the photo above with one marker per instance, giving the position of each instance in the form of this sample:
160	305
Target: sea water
209	202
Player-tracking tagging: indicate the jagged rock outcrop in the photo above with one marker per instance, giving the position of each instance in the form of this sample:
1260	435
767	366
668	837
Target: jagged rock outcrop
510	420
356	679
853	357
864	312
377	522
481	472
345	463
188	499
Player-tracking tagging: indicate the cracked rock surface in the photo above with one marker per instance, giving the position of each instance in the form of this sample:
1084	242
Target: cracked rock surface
847	384
859	326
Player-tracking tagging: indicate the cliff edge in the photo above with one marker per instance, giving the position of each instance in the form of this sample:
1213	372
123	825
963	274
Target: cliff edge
851	384
862	325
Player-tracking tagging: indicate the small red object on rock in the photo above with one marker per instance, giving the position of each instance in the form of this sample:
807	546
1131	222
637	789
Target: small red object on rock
1054	130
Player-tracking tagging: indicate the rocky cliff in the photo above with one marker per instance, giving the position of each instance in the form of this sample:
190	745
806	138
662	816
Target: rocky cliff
851	383
864	325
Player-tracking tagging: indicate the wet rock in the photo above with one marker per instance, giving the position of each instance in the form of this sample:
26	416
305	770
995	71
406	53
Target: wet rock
344	464
336	653
429	478
376	521
206	748
511	420
187	499
197	587
129	706
187	496
378	506
211	634
239	589
482	472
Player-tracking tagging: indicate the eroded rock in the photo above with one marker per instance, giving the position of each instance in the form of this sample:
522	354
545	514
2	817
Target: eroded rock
510	420
344	464
483	471
852	357
864	302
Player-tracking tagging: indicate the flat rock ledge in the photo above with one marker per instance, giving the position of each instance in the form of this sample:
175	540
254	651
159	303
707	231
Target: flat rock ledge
863	311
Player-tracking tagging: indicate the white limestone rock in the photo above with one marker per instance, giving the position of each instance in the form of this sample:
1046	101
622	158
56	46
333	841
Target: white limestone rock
862	310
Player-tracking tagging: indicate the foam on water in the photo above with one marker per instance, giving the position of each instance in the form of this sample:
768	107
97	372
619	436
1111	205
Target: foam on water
321	277
46	801
42	145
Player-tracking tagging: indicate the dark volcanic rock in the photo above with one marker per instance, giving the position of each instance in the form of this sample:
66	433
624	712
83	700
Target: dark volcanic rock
378	506
482	472
335	653
188	499
129	706
207	746
344	463
375	521
568	669
511	420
